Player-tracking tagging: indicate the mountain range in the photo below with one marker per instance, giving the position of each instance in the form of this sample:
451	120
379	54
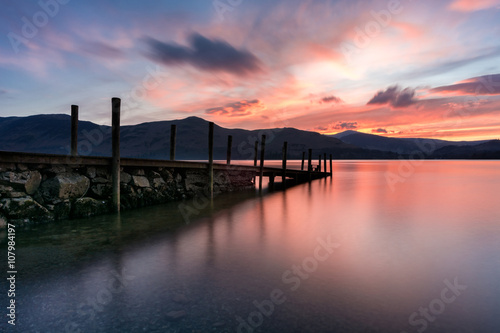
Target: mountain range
51	134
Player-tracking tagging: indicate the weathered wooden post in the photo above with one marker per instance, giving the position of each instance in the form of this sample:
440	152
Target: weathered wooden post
309	163
74	130
211	158
256	150
331	166
319	163
262	152
229	148
325	162
303	158
115	143
283	164
173	134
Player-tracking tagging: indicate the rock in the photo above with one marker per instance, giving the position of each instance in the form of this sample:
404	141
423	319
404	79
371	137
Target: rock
62	210
85	207
91	172
65	186
15	179
7	167
140	181
196	181
4	190
22	167
101	191
34	180
58	169
102	172
153	174
176	315
100	180
26	208
158	182
125	177
167	176
139	172
16	194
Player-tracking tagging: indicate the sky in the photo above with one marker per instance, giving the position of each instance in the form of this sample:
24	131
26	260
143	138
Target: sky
403	68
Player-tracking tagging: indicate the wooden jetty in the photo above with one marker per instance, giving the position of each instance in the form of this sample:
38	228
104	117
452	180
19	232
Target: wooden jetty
115	163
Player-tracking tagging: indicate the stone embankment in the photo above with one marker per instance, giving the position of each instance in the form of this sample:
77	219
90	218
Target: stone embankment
33	193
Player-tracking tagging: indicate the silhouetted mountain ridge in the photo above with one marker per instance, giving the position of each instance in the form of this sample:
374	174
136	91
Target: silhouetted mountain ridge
51	134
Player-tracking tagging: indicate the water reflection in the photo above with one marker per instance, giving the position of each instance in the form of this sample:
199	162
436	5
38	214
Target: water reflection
398	246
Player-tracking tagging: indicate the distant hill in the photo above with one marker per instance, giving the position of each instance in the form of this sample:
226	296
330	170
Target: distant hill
51	134
397	145
486	150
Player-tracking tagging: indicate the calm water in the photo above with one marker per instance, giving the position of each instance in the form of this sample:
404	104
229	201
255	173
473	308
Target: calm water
378	248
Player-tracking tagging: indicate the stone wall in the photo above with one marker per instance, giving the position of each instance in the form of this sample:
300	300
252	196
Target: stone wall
33	193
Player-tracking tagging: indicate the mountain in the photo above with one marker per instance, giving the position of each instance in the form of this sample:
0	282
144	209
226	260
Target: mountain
51	134
431	148
401	146
486	150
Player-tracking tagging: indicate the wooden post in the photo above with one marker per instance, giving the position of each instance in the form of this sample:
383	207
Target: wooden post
325	162
331	166
74	130
271	182
283	164
229	148
115	143
173	134
309	163
319	163
262	152
303	158
211	158
256	152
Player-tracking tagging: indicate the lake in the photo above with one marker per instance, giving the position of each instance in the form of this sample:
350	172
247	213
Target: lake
382	246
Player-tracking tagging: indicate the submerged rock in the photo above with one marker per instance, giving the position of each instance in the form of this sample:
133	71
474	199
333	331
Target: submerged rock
26	209
85	207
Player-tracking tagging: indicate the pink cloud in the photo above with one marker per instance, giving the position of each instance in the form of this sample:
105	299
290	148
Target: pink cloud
472	5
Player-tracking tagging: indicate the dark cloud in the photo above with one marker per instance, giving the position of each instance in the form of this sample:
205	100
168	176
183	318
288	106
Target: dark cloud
205	54
345	125
481	85
3	92
380	130
330	99
394	96
235	109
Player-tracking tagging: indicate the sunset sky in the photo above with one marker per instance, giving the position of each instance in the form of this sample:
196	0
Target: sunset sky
398	68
